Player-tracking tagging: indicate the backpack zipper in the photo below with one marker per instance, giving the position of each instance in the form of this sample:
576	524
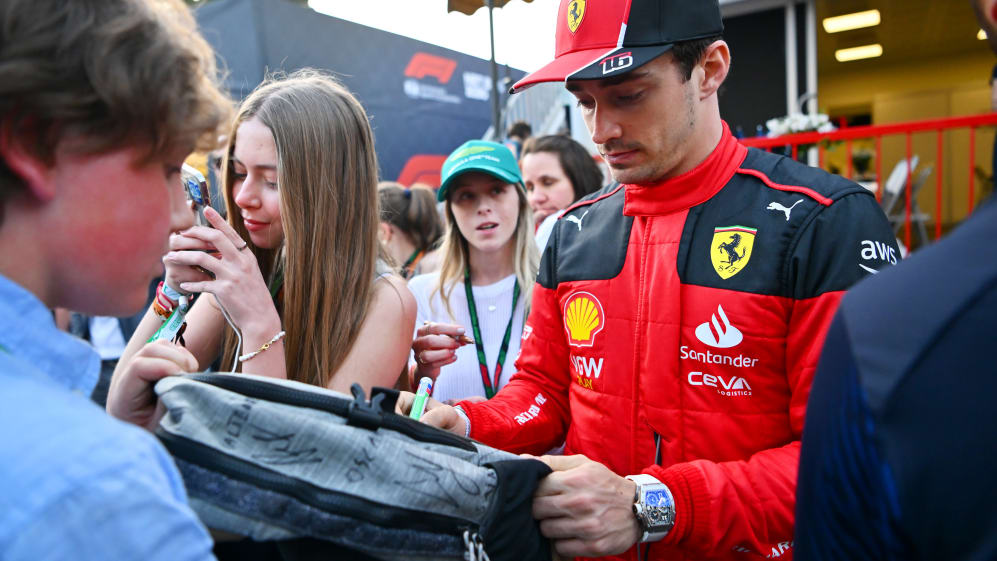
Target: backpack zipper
339	406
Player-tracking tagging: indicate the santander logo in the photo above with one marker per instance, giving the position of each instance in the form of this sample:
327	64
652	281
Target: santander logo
719	333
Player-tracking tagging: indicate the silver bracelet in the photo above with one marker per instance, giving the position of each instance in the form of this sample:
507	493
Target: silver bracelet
277	337
467	422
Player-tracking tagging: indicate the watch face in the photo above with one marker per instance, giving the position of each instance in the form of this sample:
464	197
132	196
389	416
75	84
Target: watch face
658	509
659	516
657	497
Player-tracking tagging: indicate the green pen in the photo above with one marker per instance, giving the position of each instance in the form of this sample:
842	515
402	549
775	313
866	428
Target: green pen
172	326
421	395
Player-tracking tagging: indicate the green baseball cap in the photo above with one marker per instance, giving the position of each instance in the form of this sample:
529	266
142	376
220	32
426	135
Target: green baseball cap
478	155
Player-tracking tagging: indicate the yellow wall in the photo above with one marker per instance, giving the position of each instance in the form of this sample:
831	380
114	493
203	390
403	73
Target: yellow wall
843	88
926	89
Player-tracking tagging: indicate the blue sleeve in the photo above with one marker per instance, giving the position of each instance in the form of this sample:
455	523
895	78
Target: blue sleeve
846	505
137	512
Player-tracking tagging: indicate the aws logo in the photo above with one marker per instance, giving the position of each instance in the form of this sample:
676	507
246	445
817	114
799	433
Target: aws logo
877	251
583	319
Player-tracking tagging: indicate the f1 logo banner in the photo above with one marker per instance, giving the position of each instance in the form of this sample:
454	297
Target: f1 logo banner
423	100
425	64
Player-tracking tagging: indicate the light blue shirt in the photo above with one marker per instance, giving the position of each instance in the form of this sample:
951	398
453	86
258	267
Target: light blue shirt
76	483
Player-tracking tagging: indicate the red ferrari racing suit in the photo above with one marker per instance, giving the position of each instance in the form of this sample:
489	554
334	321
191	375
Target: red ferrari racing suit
675	330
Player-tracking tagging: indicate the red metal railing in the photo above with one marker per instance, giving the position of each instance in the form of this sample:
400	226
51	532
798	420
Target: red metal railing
877	132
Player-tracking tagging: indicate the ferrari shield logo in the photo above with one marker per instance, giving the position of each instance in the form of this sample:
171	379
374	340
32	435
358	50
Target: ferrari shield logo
731	249
576	11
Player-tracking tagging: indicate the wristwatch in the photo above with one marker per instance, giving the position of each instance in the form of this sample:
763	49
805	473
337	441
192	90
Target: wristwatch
654	507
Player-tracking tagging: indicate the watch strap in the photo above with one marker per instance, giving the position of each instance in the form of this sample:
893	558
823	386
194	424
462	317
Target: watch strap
644	479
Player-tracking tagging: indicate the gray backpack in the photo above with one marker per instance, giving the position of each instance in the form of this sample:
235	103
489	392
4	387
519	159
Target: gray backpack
321	472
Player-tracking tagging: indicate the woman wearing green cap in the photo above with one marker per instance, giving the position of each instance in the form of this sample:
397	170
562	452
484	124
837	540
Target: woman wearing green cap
470	314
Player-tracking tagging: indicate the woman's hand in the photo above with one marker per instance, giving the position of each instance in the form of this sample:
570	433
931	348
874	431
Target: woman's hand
436	414
178	273
238	284
131	397
434	347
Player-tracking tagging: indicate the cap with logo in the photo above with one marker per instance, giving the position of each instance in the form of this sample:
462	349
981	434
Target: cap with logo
478	155
602	38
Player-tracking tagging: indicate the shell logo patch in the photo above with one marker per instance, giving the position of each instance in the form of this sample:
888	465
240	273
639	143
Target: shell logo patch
583	319
731	249
576	12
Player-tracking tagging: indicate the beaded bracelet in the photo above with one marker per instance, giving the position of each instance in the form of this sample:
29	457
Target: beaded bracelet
265	346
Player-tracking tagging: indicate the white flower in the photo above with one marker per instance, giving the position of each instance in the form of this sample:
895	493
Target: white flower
799	122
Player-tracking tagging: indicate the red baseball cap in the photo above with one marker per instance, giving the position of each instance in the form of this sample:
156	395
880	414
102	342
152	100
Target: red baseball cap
598	39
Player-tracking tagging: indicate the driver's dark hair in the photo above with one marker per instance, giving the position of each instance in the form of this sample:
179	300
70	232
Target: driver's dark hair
689	53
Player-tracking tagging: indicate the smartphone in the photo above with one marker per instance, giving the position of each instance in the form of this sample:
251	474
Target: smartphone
196	188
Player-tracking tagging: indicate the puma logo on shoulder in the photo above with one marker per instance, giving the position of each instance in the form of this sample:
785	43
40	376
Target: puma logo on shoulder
776	206
577	220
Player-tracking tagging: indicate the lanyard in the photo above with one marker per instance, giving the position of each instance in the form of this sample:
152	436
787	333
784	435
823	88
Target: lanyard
490	388
411	263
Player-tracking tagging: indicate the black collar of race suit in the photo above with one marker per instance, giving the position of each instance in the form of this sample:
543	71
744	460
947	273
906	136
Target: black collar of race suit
693	187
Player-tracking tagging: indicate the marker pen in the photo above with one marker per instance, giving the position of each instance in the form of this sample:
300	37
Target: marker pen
169	329
421	395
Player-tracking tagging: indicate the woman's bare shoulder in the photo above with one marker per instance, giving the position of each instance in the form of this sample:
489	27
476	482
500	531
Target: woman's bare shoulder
392	299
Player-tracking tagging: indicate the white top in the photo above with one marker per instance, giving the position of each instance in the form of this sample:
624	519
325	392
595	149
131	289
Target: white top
462	378
545	229
106	337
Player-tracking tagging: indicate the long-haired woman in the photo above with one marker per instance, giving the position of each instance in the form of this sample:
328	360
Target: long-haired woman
410	225
296	266
483	289
557	171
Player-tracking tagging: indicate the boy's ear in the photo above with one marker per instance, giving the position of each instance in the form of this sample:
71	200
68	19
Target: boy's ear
16	152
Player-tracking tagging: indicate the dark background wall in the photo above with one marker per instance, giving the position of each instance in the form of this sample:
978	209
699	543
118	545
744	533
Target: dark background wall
755	90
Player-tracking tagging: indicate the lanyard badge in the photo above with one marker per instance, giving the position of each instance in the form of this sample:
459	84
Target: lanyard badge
486	380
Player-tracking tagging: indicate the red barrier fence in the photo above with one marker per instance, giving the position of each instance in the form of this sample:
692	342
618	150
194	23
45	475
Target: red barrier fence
876	133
